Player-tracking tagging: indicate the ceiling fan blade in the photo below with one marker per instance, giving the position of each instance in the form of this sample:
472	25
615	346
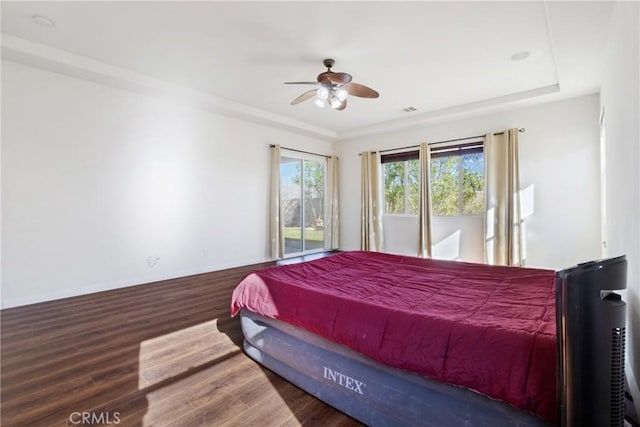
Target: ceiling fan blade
304	96
342	106
336	78
339	78
301	83
362	91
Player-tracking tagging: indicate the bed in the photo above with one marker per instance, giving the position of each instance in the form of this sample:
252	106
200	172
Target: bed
394	340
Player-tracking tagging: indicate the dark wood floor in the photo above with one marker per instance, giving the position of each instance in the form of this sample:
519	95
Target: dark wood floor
162	354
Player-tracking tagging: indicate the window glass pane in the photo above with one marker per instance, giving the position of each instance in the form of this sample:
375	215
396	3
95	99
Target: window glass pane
457	184
445	187
394	187
290	193
413	186
473	184
313	205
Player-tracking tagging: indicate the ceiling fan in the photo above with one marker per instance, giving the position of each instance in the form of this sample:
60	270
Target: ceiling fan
334	88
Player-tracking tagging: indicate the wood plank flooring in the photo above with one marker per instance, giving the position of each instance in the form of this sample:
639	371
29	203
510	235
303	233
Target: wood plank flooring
161	354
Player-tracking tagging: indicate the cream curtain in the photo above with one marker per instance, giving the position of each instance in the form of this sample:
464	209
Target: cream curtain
277	225
503	232
424	214
332	214
371	238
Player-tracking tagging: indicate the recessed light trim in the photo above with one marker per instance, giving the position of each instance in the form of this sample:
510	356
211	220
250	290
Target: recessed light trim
520	56
43	21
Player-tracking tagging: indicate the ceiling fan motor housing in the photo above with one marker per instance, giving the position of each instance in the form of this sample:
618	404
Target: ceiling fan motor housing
334	88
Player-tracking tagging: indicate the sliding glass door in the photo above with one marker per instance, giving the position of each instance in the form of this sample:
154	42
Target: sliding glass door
302	199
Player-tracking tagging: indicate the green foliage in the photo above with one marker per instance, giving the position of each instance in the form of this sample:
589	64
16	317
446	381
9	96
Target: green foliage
394	187
445	185
314	180
413	187
473	184
457	185
313	189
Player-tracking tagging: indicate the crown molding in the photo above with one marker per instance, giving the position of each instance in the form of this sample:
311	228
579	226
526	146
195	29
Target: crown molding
501	103
37	55
59	61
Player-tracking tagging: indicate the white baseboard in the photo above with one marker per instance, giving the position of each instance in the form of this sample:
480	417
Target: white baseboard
125	283
633	387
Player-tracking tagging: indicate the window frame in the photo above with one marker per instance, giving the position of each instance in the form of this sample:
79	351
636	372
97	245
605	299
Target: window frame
457	150
302	157
403	157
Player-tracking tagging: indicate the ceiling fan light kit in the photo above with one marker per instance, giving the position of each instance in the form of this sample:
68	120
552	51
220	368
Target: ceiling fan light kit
334	89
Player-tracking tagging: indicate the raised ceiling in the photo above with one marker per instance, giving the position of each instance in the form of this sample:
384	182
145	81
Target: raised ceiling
438	57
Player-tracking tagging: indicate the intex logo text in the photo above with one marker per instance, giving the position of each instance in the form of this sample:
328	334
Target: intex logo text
344	380
94	418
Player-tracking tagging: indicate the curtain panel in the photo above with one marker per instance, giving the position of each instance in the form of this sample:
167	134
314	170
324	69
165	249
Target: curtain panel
503	222
332	239
424	212
276	222
371	201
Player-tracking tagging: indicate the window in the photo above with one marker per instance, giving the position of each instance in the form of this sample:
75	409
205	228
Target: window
457	181
401	183
302	186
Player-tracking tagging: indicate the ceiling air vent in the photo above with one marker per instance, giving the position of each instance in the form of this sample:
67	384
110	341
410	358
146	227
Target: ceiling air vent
409	109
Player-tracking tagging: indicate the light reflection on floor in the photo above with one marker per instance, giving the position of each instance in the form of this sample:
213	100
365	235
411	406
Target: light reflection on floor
197	374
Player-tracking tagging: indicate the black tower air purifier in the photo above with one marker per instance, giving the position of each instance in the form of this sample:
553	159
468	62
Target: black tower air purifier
591	343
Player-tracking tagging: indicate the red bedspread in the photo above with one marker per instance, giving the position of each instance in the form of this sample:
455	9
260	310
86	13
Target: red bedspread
488	328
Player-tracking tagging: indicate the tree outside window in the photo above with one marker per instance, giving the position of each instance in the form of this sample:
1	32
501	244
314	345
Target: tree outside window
457	183
401	187
302	189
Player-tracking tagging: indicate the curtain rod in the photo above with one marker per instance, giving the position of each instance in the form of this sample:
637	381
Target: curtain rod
301	151
448	140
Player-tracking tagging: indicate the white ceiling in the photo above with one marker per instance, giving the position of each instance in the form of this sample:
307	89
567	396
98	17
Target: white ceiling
439	57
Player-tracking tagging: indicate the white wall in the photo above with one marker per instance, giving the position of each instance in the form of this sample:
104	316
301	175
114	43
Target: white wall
96	180
620	96
454	237
559	171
